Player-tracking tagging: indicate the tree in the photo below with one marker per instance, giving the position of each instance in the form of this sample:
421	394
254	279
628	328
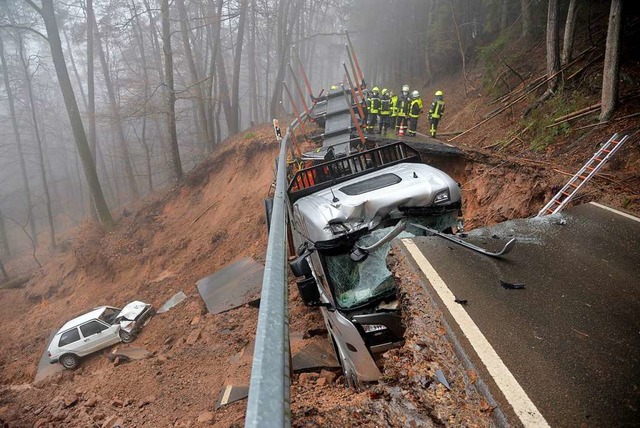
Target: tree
4	239
569	32
171	95
235	93
525	6
47	12
16	133
553	46
611	70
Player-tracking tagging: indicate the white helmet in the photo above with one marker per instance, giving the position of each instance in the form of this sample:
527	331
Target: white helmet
405	88
415	94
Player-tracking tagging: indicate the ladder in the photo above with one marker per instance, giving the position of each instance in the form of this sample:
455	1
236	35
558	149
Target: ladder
591	168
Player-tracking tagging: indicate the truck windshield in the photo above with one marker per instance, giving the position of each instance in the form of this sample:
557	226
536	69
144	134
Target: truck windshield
356	284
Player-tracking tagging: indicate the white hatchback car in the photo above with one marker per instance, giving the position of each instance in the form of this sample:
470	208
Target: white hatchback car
96	330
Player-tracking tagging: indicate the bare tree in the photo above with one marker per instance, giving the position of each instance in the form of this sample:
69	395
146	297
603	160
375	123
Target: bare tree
611	71
525	6
171	95
48	14
16	133
235	93
43	173
91	94
4	239
569	32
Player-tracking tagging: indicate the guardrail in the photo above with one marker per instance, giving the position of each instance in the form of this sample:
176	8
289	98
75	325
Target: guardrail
269	401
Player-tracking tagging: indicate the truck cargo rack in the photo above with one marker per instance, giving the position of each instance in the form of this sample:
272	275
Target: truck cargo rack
318	177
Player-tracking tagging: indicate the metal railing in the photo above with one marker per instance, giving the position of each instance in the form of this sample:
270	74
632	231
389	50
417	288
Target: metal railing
269	401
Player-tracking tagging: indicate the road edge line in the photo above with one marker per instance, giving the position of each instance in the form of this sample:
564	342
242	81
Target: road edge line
623	214
522	405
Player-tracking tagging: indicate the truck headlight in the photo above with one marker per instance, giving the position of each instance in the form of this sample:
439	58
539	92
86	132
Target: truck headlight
370	328
442	196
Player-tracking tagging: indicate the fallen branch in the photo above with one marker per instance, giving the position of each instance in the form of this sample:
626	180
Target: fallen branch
203	213
608	121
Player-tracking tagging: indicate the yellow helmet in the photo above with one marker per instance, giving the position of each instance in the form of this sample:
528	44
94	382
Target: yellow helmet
384	91
375	89
334	87
439	93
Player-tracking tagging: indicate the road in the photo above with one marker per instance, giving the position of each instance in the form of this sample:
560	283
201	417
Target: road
571	338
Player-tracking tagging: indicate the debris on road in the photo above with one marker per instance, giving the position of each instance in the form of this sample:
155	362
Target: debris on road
442	379
173	301
512	286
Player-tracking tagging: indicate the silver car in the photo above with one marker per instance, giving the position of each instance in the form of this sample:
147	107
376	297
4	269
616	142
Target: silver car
343	220
102	327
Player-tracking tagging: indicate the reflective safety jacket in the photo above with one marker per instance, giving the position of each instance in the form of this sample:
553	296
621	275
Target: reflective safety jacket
437	108
385	105
403	105
394	106
415	108
373	104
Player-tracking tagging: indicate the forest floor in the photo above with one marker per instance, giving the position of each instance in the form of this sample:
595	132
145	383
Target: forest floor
169	241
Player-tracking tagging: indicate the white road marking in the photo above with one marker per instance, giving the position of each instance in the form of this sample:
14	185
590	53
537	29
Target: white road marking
511	389
225	396
604	207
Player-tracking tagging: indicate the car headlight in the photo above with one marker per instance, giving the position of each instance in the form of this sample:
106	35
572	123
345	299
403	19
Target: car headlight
370	328
442	196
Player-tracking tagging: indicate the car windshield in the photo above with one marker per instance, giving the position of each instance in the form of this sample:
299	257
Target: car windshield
357	283
109	315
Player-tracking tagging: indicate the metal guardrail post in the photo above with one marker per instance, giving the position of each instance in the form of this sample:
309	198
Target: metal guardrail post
269	400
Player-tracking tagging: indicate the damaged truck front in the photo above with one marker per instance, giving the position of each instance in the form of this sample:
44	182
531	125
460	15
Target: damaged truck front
343	216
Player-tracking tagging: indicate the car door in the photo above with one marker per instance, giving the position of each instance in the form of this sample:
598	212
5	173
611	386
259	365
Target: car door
97	335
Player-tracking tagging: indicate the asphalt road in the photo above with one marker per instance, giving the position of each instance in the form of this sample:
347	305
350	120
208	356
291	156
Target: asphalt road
571	337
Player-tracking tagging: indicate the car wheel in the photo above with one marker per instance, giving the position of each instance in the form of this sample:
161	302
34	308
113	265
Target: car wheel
69	361
126	337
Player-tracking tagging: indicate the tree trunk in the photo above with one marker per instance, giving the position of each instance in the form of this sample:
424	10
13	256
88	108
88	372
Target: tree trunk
171	95
48	14
3	271
73	66
525	6
553	45
4	239
235	93
204	128
115	119
91	95
16	133
43	174
569	32
224	91
611	70
504	17
253	93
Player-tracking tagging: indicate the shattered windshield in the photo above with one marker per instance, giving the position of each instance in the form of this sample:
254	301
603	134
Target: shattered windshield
357	283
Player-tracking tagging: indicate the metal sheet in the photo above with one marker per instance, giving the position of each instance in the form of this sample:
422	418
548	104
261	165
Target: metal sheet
173	301
235	285
312	353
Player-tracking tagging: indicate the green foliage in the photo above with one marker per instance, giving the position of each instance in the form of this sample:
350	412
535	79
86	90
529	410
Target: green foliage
626	202
563	103
249	135
490	61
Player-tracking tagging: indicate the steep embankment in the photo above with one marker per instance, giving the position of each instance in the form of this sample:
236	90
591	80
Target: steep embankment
187	233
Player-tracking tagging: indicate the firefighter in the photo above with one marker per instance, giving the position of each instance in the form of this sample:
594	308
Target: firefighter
435	112
385	111
373	108
415	109
394	110
403	108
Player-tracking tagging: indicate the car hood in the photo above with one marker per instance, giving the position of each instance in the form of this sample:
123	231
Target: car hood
129	313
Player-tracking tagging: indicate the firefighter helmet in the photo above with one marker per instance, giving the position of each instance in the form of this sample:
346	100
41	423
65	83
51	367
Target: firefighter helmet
415	94
375	89
439	93
334	87
384	91
405	88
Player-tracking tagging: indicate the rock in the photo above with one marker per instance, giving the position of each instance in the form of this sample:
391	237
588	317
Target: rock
40	422
147	400
59	416
117	403
168	340
205	417
321	381
195	320
98	416
91	402
305	378
116	361
193	337
69	401
112	422
328	375
162	359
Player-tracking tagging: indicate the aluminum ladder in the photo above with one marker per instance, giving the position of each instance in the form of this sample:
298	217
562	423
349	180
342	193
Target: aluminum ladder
591	168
